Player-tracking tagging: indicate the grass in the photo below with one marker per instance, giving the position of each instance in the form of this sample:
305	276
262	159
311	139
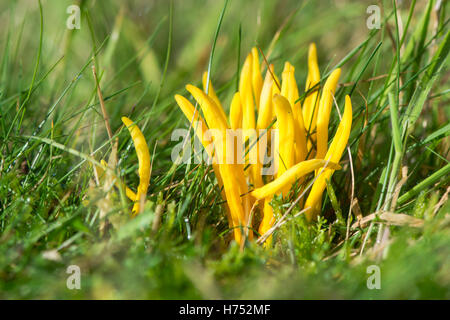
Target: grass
53	213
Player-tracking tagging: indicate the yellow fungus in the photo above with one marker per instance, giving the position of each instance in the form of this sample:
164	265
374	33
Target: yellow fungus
194	116
232	174
285	122
236	112
267	221
256	104
323	116
257	81
200	130
334	154
290	176
310	105
245	89
265	112
143	156
289	90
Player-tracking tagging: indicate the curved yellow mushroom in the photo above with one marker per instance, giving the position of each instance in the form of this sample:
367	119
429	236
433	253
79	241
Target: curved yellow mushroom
290	176
232	174
289	90
192	115
144	162
334	154
214	116
323	116
285	125
265	112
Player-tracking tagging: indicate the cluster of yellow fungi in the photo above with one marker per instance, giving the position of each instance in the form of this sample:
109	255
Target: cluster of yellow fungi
302	144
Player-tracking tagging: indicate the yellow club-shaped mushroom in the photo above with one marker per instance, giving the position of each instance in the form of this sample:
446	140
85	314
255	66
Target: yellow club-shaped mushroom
143	156
299	146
